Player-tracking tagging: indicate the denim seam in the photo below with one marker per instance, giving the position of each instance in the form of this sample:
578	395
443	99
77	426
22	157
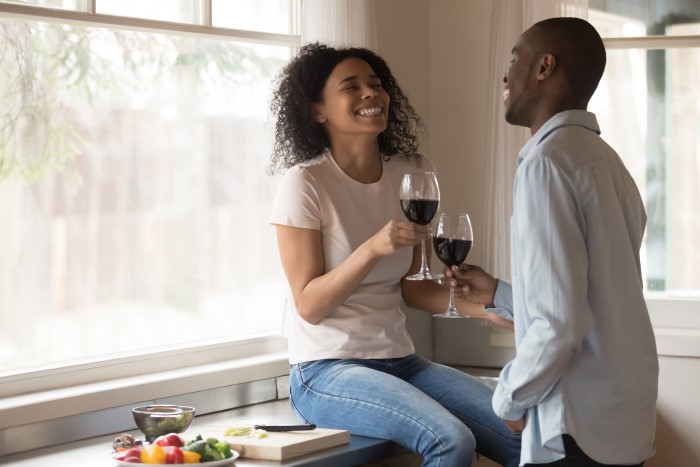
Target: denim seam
480	425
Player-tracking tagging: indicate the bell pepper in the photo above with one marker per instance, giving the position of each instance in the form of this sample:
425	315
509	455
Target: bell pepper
153	454
191	457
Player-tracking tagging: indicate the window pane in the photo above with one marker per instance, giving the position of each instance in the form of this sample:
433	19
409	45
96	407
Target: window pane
647	104
636	18
134	193
262	15
74	5
177	11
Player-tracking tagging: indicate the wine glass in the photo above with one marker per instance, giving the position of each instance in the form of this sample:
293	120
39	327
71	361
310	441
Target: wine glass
420	197
452	241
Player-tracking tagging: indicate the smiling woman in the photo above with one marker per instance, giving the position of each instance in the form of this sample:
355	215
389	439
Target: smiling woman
134	193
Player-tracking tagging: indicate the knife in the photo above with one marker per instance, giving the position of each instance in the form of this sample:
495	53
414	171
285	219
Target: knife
285	427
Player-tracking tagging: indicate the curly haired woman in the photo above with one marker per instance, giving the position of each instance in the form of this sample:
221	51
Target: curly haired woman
345	133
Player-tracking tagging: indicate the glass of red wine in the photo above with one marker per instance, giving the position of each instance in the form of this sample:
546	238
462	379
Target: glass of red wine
452	241
420	197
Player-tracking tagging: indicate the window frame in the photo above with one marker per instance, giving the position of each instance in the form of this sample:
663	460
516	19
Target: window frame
24	389
667	311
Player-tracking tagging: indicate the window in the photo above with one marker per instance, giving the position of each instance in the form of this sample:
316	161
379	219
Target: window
133	184
647	104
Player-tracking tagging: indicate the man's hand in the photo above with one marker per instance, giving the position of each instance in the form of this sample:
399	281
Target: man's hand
472	284
516	426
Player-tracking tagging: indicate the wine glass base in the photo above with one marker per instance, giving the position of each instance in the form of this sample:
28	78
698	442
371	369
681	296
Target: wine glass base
424	276
450	315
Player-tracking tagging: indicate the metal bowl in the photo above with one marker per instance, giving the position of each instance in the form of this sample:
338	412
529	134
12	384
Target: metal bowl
157	420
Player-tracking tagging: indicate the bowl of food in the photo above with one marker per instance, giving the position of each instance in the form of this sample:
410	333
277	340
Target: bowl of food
157	420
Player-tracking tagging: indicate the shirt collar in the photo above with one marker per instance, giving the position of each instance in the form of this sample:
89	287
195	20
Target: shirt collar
568	117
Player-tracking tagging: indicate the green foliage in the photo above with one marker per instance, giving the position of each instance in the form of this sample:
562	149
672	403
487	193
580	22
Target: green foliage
48	71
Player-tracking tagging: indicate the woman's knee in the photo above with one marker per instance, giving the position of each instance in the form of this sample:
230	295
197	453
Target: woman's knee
453	443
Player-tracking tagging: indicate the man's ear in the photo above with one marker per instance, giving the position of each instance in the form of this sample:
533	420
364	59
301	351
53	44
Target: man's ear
547	64
318	115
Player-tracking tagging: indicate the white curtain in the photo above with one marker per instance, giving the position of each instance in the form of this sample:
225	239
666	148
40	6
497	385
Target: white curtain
509	19
340	23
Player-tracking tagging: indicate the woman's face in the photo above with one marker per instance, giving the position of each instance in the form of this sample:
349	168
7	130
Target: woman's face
353	102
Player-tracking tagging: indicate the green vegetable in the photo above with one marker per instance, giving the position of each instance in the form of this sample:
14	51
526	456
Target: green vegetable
210	449
224	448
198	445
211	454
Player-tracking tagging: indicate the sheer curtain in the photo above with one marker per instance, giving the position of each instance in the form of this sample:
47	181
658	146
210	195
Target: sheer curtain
508	20
339	23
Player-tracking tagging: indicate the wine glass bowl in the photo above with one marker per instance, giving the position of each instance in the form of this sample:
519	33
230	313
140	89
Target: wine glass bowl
420	197
452	242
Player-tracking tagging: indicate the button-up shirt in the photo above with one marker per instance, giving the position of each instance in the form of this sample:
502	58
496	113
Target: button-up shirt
586	361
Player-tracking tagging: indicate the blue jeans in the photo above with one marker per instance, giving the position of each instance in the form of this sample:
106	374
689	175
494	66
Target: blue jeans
439	412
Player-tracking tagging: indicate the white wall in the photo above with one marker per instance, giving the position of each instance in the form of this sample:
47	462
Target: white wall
438	50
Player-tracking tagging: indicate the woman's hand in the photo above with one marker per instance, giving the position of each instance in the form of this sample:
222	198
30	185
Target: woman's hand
472	284
396	235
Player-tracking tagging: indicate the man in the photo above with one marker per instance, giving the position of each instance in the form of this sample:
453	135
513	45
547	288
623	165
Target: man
582	387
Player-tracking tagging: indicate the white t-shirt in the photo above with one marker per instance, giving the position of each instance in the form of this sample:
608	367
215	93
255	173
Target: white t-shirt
317	194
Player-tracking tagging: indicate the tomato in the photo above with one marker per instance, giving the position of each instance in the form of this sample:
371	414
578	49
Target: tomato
171	439
173	455
129	455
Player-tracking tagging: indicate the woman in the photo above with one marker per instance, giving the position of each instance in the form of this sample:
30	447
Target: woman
345	132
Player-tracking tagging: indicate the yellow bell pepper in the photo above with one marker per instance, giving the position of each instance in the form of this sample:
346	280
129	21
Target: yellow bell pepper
191	457
153	454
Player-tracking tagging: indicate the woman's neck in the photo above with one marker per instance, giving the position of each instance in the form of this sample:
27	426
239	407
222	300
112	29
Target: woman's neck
361	161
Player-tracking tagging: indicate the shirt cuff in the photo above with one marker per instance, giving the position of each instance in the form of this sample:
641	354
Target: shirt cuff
503	301
503	405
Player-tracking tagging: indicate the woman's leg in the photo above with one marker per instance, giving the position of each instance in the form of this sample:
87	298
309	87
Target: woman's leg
359	396
469	400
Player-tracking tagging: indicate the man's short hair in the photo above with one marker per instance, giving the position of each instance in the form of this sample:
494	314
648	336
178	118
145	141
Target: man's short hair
578	48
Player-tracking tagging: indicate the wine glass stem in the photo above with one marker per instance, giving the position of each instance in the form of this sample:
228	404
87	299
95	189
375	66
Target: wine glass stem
452	309
423	263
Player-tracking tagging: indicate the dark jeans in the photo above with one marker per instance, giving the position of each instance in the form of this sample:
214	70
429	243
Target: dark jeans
575	457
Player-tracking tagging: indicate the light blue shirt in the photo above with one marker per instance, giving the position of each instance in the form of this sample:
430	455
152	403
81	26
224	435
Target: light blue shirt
586	361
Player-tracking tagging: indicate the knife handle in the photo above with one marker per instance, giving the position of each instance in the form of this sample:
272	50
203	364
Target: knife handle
285	427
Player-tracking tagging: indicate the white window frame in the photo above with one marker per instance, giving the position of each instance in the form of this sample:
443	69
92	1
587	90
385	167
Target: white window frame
107	383
676	319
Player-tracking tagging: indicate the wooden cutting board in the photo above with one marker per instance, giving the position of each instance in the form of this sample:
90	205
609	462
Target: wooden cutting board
280	446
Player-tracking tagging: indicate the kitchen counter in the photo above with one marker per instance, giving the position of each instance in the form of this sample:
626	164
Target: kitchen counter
96	452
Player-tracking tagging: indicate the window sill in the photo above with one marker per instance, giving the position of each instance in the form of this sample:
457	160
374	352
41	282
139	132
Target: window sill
51	404
56	417
677	342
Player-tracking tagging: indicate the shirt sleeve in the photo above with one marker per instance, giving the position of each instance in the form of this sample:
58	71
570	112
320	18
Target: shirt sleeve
503	301
297	203
549	231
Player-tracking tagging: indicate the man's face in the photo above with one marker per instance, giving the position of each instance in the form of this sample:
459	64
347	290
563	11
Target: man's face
520	80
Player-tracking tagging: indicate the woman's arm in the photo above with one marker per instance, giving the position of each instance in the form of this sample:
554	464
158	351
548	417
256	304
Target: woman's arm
317	292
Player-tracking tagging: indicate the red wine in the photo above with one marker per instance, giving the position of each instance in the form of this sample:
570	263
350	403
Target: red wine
420	211
451	251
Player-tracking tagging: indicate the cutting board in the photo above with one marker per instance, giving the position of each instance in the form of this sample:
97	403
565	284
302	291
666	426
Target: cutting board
280	446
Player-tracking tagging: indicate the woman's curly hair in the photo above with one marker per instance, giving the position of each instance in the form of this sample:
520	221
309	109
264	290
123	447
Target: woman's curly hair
298	137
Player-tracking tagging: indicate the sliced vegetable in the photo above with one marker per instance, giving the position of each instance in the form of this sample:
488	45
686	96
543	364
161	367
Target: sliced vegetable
171	439
153	454
129	455
191	457
173	455
224	448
